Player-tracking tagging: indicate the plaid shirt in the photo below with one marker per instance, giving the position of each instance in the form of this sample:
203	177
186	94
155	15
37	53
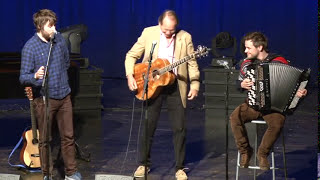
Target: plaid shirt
35	54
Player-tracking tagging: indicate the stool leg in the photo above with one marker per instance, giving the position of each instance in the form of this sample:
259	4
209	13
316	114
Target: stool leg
238	165
284	157
255	153
273	165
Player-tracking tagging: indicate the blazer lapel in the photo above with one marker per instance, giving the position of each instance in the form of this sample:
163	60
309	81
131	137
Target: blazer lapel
177	48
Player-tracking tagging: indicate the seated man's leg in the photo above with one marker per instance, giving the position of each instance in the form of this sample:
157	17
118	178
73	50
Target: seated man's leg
241	115
275	123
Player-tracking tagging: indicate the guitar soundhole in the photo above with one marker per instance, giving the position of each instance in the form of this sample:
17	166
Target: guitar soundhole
155	74
35	141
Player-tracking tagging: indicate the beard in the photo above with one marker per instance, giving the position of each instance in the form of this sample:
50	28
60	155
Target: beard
45	35
252	56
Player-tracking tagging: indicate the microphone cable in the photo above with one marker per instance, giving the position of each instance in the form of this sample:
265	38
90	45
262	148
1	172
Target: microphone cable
130	135
129	138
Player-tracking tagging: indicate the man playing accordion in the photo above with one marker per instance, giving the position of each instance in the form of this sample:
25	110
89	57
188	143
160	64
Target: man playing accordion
256	48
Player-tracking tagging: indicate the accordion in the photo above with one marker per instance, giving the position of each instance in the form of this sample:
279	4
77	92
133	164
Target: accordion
275	86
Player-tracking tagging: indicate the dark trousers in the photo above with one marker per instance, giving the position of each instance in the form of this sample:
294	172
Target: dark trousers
177	118
243	114
61	111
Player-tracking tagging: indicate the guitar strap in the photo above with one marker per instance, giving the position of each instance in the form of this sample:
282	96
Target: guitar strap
21	165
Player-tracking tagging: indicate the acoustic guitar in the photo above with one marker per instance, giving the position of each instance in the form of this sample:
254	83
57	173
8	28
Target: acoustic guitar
29	154
160	73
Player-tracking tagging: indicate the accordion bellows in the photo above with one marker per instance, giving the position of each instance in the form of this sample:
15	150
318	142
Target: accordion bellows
275	86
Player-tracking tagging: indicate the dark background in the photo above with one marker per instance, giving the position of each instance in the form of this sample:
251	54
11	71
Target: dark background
115	25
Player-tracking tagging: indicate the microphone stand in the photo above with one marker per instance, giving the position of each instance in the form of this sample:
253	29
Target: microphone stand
228	72
47	123
145	94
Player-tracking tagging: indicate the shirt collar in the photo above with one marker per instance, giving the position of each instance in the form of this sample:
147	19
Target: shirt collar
162	34
40	40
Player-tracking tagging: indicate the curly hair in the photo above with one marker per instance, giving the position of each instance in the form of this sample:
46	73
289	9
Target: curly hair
41	17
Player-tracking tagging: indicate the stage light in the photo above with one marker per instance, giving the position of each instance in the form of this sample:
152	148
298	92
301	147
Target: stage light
74	36
224	48
112	177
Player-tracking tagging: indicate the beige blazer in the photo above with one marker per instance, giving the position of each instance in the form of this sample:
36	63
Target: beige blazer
183	47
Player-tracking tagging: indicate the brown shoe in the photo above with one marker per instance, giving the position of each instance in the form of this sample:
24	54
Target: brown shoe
140	171
263	163
245	158
181	175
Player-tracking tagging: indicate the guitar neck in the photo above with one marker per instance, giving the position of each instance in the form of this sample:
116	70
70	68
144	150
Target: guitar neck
33	121
176	64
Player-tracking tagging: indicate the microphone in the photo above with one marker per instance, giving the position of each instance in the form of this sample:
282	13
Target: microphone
53	35
154	43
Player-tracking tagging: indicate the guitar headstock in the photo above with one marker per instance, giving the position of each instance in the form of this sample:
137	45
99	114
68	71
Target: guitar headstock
202	51
28	92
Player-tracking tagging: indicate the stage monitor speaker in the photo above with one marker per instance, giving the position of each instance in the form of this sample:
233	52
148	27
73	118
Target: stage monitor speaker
9	177
112	177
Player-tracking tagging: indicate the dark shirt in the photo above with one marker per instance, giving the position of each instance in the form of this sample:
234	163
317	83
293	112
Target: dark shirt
35	54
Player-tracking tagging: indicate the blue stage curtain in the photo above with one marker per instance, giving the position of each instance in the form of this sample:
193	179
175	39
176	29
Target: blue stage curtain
114	25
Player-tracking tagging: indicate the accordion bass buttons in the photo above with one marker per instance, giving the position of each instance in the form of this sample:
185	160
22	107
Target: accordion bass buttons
261	88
